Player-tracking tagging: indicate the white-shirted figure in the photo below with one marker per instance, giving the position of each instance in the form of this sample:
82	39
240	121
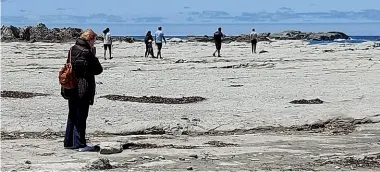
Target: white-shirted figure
107	42
253	37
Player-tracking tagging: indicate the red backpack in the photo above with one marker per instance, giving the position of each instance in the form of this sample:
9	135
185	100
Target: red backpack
66	75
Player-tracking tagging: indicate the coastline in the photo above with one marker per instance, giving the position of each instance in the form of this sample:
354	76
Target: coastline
41	33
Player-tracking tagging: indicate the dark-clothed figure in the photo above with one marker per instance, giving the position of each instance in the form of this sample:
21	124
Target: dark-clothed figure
218	35
85	67
149	44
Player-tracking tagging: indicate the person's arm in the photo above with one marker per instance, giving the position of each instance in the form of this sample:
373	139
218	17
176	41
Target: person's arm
94	64
163	37
97	68
155	37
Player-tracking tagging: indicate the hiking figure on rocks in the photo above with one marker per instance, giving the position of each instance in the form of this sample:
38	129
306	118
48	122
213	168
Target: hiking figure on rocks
218	35
149	44
159	36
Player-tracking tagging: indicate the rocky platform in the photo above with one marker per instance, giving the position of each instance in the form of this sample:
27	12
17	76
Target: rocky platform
41	33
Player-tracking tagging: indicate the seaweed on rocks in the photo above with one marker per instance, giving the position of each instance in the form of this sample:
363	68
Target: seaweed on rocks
369	161
303	101
220	143
155	99
20	94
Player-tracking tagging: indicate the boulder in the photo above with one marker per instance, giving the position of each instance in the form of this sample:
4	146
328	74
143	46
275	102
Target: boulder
39	33
99	164
110	148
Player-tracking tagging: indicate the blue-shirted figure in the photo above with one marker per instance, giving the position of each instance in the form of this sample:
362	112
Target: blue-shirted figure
159	36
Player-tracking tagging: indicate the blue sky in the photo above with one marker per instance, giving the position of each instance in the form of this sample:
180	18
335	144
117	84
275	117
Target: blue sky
203	15
152	7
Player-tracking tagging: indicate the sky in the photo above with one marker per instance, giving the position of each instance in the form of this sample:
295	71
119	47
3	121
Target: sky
204	15
152	7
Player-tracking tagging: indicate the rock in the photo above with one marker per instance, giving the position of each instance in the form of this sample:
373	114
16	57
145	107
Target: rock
175	40
132	160
39	33
110	148
146	158
194	156
28	162
189	168
99	164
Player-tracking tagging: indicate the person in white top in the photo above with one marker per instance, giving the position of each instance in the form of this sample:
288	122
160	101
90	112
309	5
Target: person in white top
107	42
253	37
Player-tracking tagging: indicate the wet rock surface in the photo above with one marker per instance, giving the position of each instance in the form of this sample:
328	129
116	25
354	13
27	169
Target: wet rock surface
303	101
20	94
155	99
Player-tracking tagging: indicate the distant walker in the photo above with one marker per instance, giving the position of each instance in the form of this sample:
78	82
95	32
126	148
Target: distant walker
159	36
218	35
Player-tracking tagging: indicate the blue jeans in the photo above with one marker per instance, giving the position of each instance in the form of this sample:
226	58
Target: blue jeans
76	123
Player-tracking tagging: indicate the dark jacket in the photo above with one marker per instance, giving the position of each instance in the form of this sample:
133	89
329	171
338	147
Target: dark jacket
147	38
85	66
218	36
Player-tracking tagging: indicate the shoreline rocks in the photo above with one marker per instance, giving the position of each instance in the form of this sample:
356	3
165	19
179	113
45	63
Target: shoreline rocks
41	33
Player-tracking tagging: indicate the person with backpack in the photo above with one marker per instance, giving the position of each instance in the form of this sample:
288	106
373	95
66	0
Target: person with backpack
107	42
77	79
218	35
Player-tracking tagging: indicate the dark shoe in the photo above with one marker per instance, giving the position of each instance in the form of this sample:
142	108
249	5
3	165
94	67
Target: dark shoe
219	56
105	58
213	54
111	58
87	149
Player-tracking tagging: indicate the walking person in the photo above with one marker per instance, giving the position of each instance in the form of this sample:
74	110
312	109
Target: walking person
107	42
148	44
218	35
85	66
159	36
253	37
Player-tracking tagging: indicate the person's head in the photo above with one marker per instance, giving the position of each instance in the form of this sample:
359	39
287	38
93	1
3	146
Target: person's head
253	29
160	28
90	36
219	29
148	33
106	30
